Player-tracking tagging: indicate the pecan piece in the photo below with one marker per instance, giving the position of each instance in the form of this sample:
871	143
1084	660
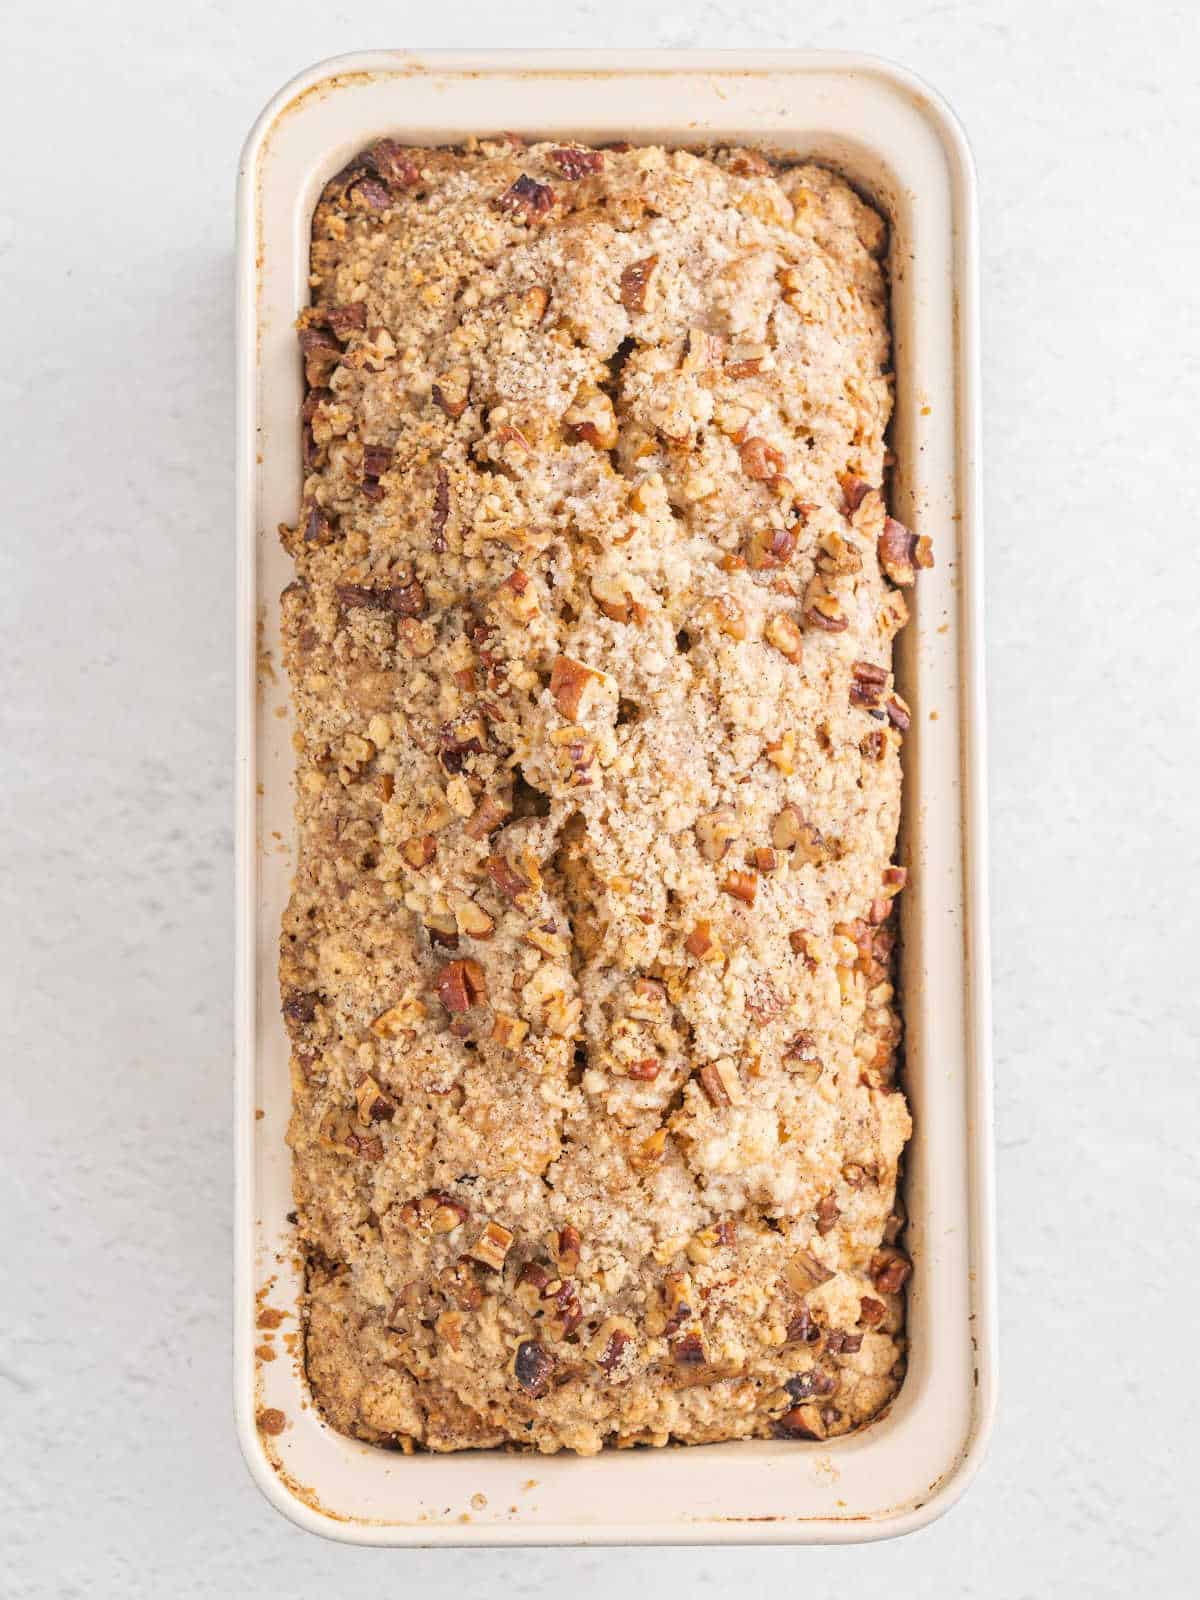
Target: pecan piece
508	1031
389	161
720	1082
814	1384
373	1104
566	1248
345	320
369	194
760	460
533	1366
689	1351
804	1272
802	1329
505	876
461	985
890	1270
769	548
441	509
822	609
700	941
715	832
854	491
742	886
783	633
452	392
898	713
492	1246
798	1423
612	1340
635	283
866	681
569	682
902	552
827	1214
871	1312
458	1283
574	163
489	814
677	1302
528	199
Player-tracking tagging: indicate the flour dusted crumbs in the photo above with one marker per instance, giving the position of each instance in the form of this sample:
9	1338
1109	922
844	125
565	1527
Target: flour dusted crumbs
588	966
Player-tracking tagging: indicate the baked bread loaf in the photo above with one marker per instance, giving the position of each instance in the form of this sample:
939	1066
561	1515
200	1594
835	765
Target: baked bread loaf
588	964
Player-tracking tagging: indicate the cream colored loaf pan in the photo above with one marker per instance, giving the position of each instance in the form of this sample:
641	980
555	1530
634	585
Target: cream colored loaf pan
900	145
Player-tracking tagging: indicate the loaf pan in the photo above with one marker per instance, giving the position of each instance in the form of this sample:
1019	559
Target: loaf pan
900	145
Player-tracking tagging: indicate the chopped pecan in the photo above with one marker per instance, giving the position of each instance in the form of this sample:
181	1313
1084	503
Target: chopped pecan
616	602
531	1281
815	1384
802	1048
533	1366
459	1283
893	1227
688	1350
489	814
635	283
370	193
866	681
804	1272
823	609
508	1031
902	552
677	1302
457	740
472	920
890	1270
871	1312
345	320
798	1423
566	1312
827	1214
574	163
700	941
590	417
389	161
760	460
853	491
492	1246
506	877
742	885
894	879
566	1248
802	1329
405	597
769	548
715	833
720	1082
371	1149
300	1008
873	745
415	638
612	1340
441	509
898	713
840	1343
461	985
569	681
783	633
528	199
727	616
452	392
373	1104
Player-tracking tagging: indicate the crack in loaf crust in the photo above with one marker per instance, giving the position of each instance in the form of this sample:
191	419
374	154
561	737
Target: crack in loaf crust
588	964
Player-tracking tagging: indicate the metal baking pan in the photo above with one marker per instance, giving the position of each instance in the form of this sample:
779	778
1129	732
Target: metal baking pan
895	140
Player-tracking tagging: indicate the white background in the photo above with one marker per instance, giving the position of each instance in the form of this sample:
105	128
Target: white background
120	127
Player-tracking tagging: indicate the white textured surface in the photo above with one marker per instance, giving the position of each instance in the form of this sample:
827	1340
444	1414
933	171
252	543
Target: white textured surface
121	126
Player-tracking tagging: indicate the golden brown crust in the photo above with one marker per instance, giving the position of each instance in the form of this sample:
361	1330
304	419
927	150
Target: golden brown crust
588	963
